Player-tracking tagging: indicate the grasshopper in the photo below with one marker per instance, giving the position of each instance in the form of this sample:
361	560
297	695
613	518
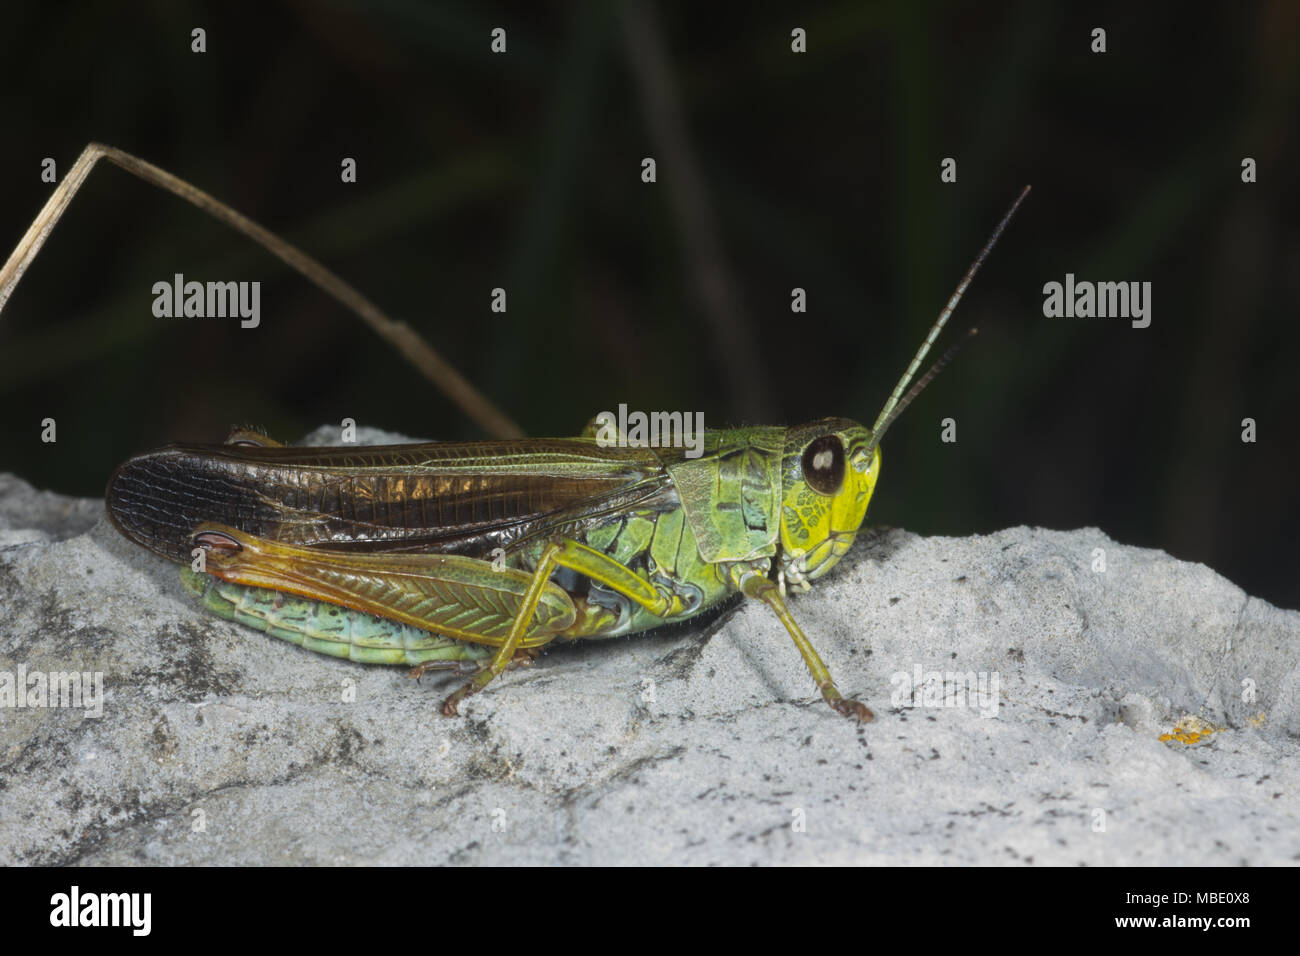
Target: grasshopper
472	556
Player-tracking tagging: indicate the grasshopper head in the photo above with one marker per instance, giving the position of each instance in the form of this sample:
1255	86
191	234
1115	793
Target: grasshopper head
828	472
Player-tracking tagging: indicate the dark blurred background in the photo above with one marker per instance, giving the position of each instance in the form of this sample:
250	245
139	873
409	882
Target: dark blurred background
817	170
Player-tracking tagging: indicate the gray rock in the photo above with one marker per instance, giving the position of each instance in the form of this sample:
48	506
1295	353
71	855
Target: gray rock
708	744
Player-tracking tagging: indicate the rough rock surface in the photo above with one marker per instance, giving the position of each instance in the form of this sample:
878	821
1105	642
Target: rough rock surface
1147	713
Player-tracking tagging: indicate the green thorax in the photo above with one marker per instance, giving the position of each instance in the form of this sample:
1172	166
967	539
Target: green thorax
731	494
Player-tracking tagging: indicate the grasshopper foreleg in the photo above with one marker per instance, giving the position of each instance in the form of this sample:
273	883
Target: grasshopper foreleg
755	585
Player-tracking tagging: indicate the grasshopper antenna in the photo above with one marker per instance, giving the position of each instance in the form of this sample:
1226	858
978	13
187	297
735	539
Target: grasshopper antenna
897	401
399	335
915	390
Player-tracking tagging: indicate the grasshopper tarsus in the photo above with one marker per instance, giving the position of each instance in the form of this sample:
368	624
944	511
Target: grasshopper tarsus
460	667
853	708
524	657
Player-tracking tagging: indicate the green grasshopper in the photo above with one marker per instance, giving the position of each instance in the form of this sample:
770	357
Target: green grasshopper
471	556
389	550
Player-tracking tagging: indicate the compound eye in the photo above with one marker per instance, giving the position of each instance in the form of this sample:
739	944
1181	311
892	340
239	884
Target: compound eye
823	465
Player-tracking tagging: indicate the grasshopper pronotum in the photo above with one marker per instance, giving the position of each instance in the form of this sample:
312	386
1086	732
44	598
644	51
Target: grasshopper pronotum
472	555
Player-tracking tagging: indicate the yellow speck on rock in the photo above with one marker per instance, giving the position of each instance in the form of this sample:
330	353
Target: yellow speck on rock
1190	730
